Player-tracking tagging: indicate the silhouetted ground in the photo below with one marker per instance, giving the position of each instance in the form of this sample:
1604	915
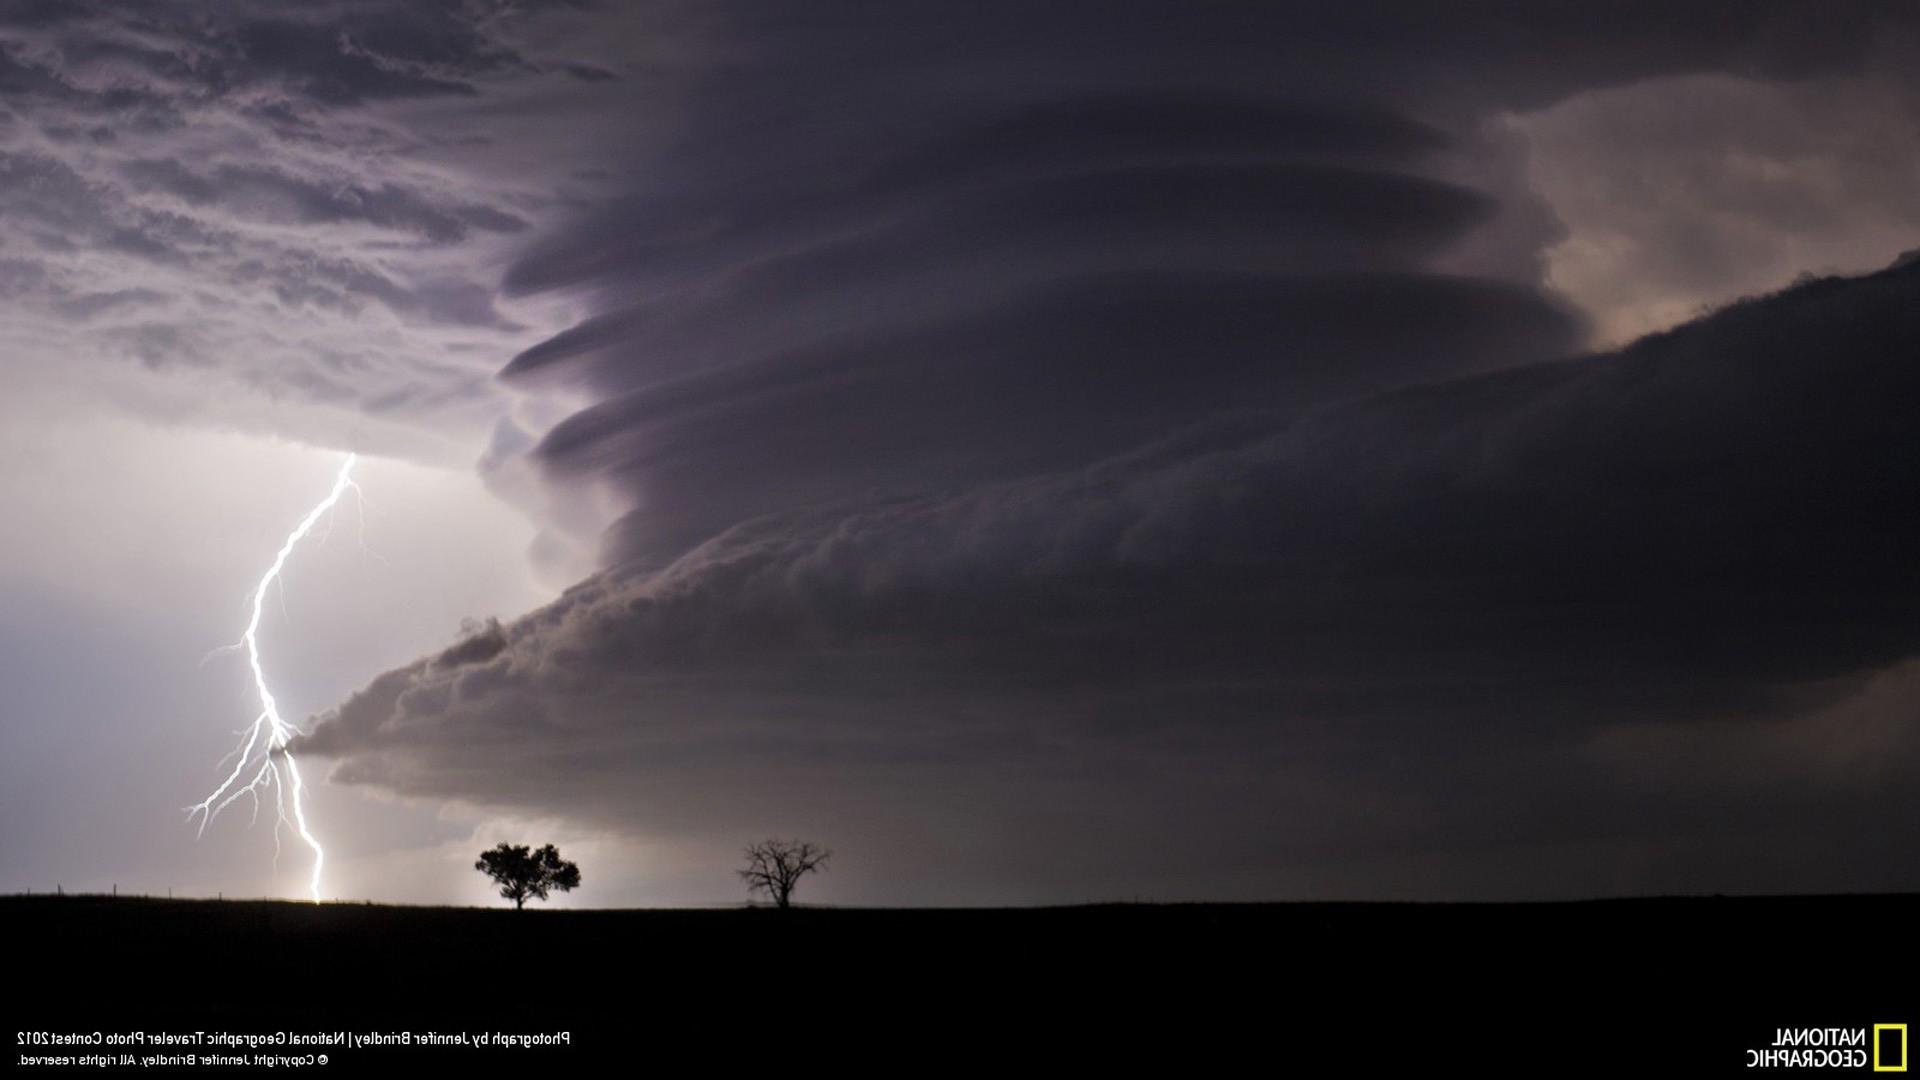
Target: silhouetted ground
1642	986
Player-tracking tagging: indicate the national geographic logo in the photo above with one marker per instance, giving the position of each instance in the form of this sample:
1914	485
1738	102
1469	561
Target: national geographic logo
1884	1046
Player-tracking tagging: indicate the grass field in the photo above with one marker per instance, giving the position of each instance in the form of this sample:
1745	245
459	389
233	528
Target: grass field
1678	983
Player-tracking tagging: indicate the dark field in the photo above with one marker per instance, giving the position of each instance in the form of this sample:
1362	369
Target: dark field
1636	986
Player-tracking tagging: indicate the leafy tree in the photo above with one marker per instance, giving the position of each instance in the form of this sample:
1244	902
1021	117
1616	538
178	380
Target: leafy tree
521	872
776	866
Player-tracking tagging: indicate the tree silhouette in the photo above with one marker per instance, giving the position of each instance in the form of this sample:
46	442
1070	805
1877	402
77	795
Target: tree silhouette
521	872
776	866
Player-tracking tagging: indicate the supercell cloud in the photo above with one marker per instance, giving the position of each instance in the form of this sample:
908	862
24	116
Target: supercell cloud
1064	452
1146	454
1454	617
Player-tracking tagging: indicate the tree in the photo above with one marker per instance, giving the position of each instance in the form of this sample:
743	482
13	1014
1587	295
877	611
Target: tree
776	866
521	873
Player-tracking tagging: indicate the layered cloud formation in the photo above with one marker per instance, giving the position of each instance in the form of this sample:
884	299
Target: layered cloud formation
1054	452
1141	455
1453	596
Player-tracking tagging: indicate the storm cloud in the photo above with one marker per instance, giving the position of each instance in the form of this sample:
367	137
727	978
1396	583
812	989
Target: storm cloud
1058	452
1506	578
1154	458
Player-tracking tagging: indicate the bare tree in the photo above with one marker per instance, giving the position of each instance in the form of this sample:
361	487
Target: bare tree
776	866
521	872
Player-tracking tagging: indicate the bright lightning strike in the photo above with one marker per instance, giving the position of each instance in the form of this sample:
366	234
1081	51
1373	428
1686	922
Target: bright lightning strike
262	759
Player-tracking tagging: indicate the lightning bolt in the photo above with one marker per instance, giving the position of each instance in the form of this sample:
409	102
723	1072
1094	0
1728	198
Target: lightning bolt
262	756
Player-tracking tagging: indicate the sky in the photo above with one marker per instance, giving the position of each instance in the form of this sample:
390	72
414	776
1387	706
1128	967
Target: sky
1044	454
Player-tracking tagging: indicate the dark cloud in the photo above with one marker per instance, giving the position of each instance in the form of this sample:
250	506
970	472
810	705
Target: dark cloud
1072	448
1064	374
1750	460
894	249
961	245
589	73
479	644
1161	169
1042	285
1478	581
1055	448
